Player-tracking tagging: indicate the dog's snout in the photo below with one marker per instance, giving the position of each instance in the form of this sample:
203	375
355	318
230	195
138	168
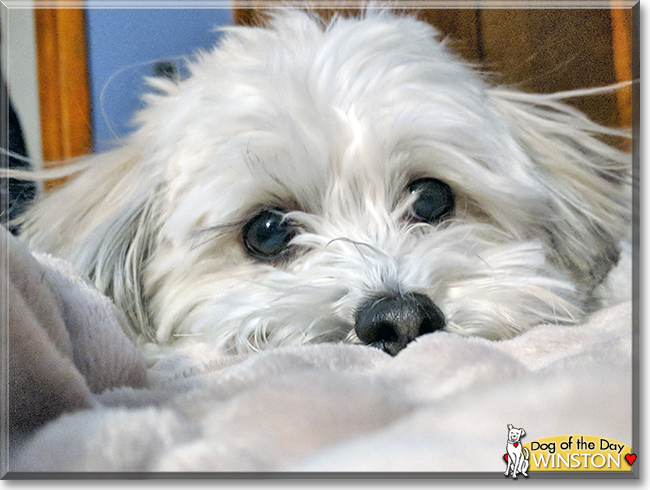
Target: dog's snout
392	321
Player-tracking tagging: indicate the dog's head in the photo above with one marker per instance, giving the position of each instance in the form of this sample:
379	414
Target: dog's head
350	181
514	434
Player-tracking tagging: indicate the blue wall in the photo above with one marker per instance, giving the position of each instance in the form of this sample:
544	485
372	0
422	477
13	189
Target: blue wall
124	44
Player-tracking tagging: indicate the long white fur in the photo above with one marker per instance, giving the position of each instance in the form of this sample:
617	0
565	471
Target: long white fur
332	122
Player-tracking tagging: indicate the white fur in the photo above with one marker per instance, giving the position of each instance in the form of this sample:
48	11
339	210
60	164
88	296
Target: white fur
332	123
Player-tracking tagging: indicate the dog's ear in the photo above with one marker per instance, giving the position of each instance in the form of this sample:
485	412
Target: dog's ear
522	433
105	222
115	258
585	180
510	426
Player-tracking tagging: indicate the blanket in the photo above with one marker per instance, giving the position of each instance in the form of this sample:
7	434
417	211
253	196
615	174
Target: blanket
85	397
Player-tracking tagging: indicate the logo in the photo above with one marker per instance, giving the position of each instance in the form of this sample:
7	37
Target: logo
571	452
516	454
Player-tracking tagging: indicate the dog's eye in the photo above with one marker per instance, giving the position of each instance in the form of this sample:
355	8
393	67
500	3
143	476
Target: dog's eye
267	234
435	200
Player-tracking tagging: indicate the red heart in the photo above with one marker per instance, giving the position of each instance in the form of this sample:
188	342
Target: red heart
516	444
631	458
505	456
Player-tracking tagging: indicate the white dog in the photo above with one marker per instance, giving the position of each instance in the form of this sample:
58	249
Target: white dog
517	454
354	181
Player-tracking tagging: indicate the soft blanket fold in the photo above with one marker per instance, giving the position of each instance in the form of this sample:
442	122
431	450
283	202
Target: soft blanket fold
82	398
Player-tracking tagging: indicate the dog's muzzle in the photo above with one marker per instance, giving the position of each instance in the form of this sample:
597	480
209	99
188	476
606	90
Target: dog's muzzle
390	322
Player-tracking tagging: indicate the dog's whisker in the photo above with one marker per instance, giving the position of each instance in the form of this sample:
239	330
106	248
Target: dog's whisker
492	272
358	246
311	334
102	94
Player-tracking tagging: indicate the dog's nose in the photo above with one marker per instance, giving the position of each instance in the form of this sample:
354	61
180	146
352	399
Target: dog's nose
390	322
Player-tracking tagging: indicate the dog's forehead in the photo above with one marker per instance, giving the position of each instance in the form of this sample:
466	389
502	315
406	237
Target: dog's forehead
303	98
299	110
342	65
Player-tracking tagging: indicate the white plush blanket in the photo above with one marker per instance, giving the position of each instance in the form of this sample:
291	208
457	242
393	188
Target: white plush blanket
442	405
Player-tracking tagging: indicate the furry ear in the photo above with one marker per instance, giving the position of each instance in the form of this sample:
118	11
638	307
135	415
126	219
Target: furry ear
115	260
586	180
105	222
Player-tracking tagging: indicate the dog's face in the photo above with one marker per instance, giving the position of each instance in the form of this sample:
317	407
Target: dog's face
514	434
355	182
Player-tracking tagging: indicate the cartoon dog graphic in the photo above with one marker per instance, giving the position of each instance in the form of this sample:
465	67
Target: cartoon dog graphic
517	455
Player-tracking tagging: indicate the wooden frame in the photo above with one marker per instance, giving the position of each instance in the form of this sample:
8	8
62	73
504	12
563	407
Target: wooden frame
622	46
63	86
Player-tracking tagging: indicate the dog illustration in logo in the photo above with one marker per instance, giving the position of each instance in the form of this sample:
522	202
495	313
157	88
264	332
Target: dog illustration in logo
516	454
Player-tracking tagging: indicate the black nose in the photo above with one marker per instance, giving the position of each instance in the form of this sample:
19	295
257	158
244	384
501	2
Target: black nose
392	321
